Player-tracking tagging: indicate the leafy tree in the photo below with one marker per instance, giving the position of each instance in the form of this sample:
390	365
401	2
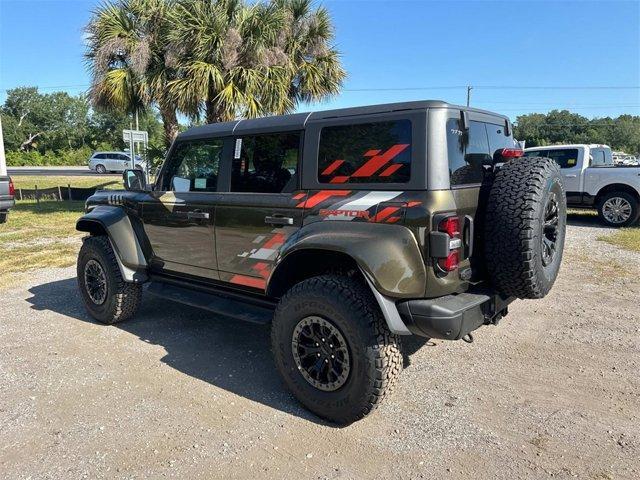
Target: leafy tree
562	127
236	59
44	121
129	60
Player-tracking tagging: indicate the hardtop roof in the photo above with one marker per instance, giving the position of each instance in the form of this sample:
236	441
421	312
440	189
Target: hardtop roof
298	121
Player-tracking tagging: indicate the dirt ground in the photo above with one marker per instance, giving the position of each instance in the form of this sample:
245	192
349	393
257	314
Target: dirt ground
553	391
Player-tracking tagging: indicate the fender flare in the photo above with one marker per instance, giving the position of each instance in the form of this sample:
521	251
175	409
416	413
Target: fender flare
388	255
115	223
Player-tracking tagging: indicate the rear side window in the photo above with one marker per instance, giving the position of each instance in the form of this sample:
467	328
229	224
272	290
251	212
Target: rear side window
497	139
468	151
565	158
266	163
377	152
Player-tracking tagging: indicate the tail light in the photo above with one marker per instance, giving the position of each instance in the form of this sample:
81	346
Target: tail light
12	189
446	243
511	153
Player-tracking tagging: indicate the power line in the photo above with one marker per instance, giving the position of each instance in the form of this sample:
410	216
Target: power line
496	87
442	87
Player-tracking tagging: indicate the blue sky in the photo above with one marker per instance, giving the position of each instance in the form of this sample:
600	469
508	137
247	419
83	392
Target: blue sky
410	45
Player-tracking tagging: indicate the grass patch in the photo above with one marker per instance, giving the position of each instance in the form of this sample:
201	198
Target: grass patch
102	181
627	238
38	236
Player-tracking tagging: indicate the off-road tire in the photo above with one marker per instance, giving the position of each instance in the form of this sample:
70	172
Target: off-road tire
101	169
376	360
513	226
123	298
635	209
3	217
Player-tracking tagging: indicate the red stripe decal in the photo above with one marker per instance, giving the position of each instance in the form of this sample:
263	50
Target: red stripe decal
321	196
371	153
376	163
277	239
384	213
332	168
249	281
262	269
339	179
390	169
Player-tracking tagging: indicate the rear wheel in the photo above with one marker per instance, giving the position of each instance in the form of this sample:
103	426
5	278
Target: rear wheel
333	348
525	222
101	169
107	297
618	209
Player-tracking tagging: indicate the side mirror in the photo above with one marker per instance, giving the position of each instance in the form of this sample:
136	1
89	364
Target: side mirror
134	180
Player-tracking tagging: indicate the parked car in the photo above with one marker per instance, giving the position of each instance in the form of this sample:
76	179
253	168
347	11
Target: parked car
103	162
7	197
593	181
344	229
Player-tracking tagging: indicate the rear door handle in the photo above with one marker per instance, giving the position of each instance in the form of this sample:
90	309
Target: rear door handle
278	220
197	214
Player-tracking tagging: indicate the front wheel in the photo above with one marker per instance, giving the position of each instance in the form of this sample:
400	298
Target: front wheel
333	348
618	209
107	297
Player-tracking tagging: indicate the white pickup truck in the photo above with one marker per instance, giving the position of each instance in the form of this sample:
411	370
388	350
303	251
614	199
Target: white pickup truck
6	197
592	180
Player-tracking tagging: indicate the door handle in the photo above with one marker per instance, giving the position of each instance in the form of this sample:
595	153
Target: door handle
278	220
197	214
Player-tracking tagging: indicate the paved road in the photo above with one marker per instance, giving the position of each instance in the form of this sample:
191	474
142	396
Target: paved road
551	392
52	171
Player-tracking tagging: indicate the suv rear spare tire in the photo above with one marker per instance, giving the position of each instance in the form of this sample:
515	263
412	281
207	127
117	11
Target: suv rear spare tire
525	222
333	348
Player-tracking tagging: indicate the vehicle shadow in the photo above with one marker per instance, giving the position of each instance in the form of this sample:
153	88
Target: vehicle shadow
229	354
585	220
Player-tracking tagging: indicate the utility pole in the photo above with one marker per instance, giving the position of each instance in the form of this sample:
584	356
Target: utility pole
469	88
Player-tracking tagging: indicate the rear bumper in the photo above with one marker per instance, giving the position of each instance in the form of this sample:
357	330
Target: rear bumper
453	316
6	203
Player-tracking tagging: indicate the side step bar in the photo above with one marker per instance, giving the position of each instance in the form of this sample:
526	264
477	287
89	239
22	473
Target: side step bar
219	304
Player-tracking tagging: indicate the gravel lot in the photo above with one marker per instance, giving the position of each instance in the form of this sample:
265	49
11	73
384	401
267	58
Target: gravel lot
553	391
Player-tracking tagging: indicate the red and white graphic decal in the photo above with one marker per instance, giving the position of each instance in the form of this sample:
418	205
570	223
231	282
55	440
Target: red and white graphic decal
375	162
320	197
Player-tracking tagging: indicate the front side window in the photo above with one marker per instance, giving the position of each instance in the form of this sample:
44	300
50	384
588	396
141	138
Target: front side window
468	152
565	157
193	166
266	163
378	152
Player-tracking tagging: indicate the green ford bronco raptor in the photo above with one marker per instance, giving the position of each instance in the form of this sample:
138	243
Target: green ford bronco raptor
343	229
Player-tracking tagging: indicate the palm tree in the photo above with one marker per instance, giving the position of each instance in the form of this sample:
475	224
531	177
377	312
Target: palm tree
236	59
129	60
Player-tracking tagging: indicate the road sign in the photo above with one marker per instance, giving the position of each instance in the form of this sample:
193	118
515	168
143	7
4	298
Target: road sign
135	135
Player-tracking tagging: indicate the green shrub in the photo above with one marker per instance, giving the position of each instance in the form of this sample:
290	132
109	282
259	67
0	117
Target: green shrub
60	158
